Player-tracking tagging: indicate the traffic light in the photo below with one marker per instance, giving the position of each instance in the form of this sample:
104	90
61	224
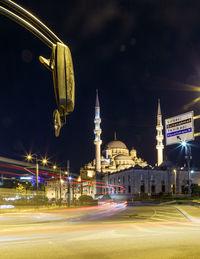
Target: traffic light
61	65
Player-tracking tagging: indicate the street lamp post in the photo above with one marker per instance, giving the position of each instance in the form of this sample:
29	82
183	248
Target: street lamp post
60	187
188	157
30	157
60	62
37	172
175	180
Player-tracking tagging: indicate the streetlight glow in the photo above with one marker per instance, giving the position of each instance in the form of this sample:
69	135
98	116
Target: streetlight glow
54	167
44	161
184	143
29	157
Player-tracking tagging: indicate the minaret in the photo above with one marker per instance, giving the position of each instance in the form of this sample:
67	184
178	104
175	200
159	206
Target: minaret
159	136
97	134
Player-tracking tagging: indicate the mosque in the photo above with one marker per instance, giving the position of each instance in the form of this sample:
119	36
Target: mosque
115	156
116	166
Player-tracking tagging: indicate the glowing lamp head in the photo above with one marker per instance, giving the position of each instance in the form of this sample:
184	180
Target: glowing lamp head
29	157
54	167
184	143
69	178
44	161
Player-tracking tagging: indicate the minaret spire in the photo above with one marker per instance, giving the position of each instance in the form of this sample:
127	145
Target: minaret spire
97	134
97	99
159	136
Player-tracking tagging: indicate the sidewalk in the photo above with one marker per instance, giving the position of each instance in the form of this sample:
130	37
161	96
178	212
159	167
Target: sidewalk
190	212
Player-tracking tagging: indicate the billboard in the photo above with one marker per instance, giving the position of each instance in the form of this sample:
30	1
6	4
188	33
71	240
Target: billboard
179	128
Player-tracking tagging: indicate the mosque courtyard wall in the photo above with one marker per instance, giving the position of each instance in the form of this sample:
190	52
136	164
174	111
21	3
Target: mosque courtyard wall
151	182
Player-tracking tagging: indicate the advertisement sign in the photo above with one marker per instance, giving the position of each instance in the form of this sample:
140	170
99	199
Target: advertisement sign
179	128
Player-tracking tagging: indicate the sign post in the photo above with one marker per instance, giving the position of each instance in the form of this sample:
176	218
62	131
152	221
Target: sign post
179	128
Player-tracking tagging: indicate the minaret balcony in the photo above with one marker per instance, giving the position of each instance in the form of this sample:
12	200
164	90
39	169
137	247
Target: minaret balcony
159	127
98	142
97	120
98	131
160	146
160	138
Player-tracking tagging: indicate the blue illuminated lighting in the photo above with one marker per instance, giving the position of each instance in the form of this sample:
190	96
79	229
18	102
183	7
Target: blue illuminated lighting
25	178
184	143
192	171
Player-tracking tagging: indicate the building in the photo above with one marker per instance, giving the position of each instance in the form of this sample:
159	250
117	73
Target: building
115	155
147	182
117	166
60	190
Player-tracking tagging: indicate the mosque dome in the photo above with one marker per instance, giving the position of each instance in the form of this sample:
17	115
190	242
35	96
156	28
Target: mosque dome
116	144
104	163
122	157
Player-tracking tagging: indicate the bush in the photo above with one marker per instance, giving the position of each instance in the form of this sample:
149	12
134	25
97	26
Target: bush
86	199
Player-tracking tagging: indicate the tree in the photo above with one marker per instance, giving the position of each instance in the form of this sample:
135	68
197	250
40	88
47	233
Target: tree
195	188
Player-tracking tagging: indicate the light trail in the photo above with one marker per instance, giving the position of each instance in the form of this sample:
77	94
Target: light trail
111	187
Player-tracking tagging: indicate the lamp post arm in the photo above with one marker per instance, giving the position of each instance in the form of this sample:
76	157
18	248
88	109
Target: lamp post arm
26	25
32	19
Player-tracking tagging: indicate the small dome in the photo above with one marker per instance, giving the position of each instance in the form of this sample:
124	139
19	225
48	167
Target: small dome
122	157
105	162
116	144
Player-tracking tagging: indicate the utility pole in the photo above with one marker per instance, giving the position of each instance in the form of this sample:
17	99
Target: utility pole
188	157
37	172
60	187
69	194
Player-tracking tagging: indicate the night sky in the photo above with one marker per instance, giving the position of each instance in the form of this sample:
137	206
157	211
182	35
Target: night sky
133	51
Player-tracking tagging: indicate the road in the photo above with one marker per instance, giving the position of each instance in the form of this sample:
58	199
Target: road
106	231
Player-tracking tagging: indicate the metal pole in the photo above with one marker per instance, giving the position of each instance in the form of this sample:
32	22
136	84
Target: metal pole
27	26
175	180
31	18
60	187
188	159
37	172
68	189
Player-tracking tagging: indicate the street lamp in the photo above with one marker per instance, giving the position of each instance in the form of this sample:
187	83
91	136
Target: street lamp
81	186
175	180
44	161
188	157
30	157
60	62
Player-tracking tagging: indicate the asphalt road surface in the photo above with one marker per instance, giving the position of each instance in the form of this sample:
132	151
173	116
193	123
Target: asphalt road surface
106	231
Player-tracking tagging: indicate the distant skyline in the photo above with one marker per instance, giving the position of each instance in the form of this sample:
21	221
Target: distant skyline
134	52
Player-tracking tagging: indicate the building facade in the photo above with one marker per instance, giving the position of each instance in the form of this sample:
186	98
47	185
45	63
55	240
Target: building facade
125	175
114	157
147	181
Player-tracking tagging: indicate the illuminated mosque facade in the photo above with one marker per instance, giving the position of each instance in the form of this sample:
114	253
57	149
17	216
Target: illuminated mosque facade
116	165
114	157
